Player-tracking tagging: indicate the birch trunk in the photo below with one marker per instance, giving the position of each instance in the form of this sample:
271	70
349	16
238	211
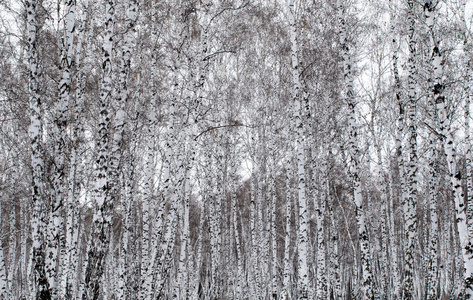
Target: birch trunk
3	275
455	177
253	242
239	253
61	127
367	281
71	279
198	260
286	290
174	195
181	288
104	207
432	268
117	145
12	249
303	232
320	211
150	242
336	283
398	161
384	236
148	199
116	152
411	168
260	232
41	284
274	249
468	155
60	135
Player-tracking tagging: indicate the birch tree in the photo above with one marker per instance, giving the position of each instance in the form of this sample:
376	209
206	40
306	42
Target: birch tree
303	232
411	168
61	122
197	151
432	275
355	155
454	173
103	207
3	274
42	289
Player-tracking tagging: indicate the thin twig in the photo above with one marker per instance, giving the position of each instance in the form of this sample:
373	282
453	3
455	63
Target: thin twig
218	127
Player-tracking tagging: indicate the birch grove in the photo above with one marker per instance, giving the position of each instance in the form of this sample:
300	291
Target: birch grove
236	149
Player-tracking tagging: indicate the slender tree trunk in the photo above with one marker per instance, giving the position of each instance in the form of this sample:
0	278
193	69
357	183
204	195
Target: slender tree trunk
116	152
181	287
367	282
411	168
3	275
399	162
286	290
253	242
320	210
334	254
238	248
25	260
215	231
455	176
59	180
468	155
384	235
12	249
124	259
259	182
41	284
148	199
73	219
104	206
60	135
198	259
167	245
303	232
151	241
274	248
432	268
85	259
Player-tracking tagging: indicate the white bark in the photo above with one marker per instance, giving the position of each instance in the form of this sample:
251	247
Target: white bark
320	211
60	135
274	249
432	253
286	290
64	92
181	286
173	195
253	242
411	167
468	154
336	282
238	248
12	249
455	177
151	240
25	260
260	241
399	161
198	259
367	281
3	275
303	232
104	207
41	285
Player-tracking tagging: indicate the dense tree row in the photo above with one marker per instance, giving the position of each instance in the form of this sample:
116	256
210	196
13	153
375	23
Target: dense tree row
236	149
